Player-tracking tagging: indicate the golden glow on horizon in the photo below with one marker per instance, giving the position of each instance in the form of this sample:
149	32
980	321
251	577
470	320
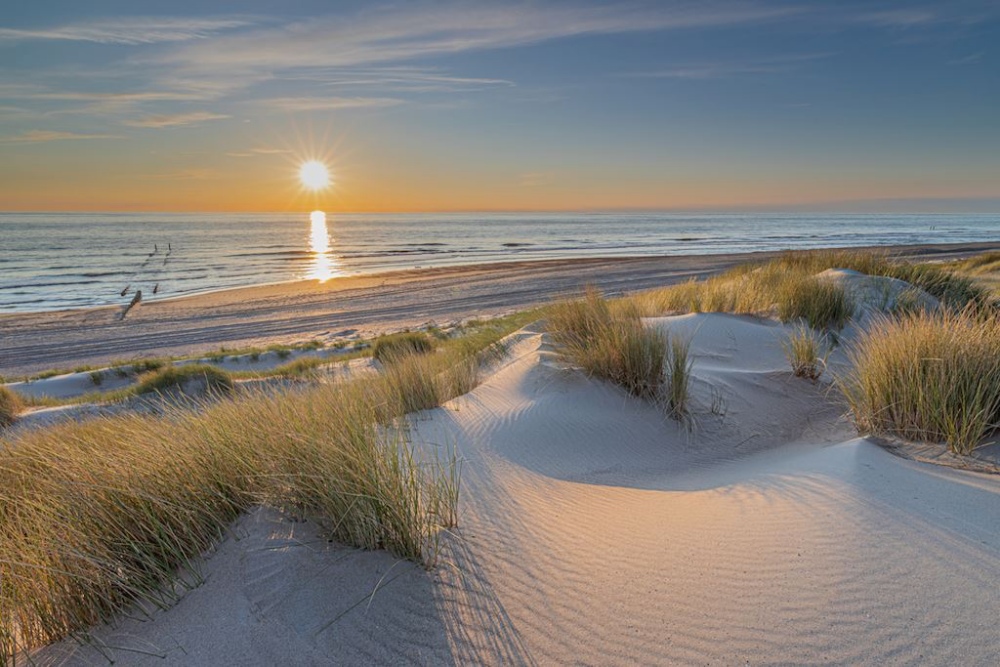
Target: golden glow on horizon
314	175
324	265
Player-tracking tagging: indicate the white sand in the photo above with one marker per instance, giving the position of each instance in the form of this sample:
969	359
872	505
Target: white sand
594	531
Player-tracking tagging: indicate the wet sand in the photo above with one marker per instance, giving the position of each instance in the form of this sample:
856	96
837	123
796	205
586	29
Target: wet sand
342	307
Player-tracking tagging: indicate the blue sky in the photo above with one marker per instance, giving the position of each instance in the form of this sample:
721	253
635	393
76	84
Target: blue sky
433	105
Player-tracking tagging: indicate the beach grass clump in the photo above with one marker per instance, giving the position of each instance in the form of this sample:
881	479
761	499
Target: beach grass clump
819	303
608	340
149	364
679	378
301	367
213	380
11	406
984	269
806	352
928	377
392	347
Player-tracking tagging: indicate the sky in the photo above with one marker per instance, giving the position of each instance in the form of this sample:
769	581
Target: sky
431	106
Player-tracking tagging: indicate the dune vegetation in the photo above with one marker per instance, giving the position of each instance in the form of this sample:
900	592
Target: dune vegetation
983	270
608	340
214	380
786	288
928	377
10	406
807	352
101	514
406	343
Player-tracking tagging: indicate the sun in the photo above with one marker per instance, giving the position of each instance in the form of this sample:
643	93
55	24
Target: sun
314	175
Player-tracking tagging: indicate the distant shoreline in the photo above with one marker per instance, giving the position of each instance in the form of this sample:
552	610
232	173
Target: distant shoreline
364	304
68	262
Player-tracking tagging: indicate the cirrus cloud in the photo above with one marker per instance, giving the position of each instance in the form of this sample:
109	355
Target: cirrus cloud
175	120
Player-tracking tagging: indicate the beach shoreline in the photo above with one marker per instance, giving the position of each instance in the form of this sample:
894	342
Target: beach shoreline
350	306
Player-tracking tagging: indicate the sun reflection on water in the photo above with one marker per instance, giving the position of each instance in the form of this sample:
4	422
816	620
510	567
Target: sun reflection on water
324	264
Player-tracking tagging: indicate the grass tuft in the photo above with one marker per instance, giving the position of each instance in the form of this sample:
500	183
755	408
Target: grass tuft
10	406
679	378
394	346
928	377
820	303
806	352
175	377
609	341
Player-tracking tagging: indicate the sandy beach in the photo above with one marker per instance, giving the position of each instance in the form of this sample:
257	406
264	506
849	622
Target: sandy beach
344	307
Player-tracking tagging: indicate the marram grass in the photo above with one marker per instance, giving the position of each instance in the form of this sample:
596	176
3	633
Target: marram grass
806	352
786	287
388	348
607	339
98	515
10	406
928	377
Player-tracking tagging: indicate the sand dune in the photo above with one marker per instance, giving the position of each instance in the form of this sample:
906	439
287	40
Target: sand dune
596	531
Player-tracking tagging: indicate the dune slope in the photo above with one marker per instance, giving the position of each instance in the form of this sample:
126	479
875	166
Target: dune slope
594	530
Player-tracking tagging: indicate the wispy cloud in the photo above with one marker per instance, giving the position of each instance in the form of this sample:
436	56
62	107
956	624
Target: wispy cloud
898	18
136	30
294	104
535	179
406	79
254	152
968	60
175	120
718	70
367	58
41	136
183	175
399	36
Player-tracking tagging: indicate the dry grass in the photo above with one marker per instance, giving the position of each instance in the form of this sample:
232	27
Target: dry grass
169	378
819	303
607	339
389	348
10	406
785	287
928	377
679	378
95	516
806	352
984	270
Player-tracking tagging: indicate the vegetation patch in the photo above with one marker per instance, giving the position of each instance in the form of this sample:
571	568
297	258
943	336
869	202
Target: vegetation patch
97	515
807	352
819	303
608	340
10	406
214	379
395	346
928	377
786	288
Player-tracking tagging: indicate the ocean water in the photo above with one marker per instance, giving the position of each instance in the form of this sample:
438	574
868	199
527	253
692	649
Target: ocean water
70	260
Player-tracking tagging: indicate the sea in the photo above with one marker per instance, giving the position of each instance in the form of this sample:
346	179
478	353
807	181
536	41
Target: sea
55	261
